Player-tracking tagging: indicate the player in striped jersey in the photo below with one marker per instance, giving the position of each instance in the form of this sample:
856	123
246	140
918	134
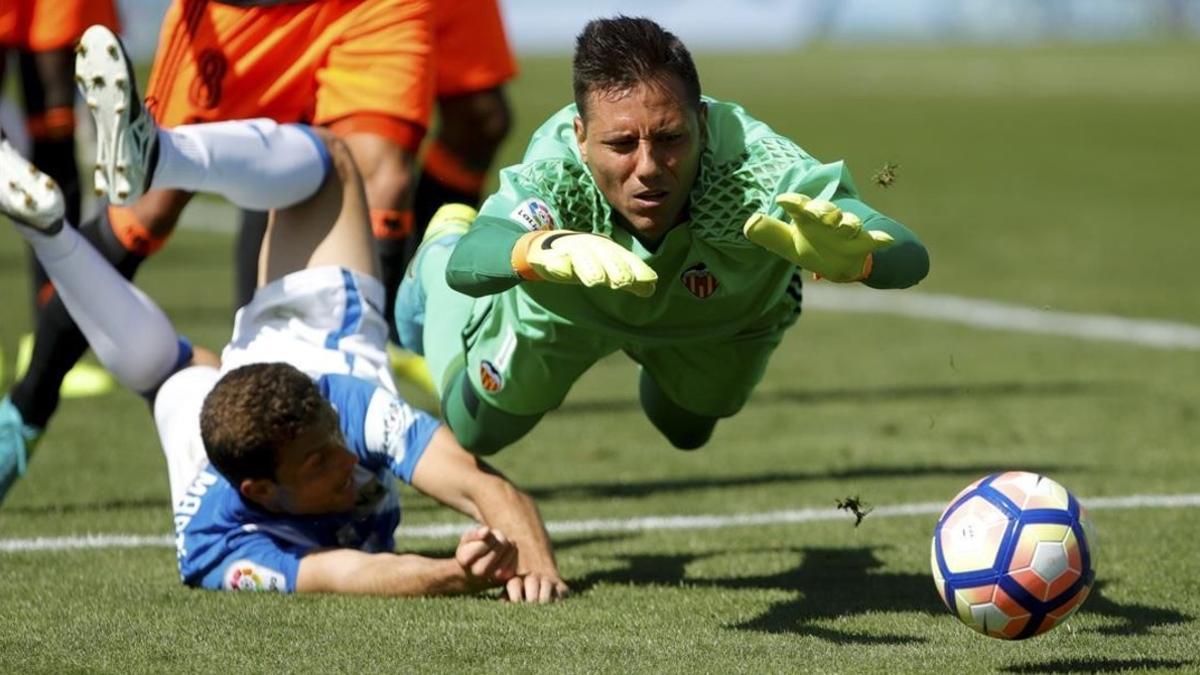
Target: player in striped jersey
282	456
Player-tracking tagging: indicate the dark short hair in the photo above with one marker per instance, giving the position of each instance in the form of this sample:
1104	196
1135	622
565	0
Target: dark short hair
252	412
618	53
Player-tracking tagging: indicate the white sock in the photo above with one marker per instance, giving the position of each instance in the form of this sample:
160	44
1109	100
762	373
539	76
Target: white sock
257	164
128	333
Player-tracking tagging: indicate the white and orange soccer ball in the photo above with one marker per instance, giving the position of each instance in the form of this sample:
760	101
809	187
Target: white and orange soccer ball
1013	555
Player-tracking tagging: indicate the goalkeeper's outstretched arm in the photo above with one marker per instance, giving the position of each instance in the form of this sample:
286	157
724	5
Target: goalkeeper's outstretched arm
902	263
844	241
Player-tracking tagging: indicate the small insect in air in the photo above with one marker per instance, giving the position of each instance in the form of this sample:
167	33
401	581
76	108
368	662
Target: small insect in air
856	506
886	176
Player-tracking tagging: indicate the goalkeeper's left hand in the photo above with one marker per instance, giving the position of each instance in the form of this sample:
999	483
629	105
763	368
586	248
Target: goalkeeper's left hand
821	238
581	258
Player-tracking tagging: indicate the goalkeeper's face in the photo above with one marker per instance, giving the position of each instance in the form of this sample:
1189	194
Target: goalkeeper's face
643	146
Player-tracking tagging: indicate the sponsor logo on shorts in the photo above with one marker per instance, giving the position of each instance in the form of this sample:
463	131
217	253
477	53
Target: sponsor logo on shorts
244	575
490	377
534	215
699	281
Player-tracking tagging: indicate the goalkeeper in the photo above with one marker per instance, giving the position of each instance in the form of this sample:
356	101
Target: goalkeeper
648	219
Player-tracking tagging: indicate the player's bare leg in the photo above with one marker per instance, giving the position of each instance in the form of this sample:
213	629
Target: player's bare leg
388	173
330	228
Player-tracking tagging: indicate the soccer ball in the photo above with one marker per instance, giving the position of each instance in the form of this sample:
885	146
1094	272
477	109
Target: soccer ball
1013	555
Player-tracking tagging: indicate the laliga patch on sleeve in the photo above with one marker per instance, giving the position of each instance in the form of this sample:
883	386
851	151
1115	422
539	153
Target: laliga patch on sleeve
245	575
533	214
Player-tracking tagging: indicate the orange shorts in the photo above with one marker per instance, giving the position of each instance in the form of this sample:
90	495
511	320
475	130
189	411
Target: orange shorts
471	50
49	25
316	62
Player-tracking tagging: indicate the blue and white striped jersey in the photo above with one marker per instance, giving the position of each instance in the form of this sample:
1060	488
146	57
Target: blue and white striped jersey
225	542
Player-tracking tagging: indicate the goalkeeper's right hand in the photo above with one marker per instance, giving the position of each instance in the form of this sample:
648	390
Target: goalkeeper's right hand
581	258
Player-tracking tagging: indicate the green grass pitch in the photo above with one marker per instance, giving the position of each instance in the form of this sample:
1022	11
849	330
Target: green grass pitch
1062	178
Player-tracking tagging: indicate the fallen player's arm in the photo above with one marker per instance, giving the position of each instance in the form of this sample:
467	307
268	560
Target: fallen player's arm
484	559
469	485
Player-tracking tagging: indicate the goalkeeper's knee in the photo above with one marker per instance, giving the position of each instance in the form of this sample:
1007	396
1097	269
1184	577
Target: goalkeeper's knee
684	429
480	427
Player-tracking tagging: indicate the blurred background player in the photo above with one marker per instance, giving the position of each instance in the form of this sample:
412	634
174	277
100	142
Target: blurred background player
362	68
300	494
40	36
644	219
472	60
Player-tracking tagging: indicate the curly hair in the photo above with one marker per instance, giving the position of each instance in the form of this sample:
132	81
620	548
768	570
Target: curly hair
253	411
617	54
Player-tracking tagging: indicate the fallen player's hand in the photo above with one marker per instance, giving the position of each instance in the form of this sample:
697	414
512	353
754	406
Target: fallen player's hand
535	588
820	238
582	258
487	557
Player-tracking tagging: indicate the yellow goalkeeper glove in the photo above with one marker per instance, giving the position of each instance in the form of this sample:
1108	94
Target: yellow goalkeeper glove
821	238
581	258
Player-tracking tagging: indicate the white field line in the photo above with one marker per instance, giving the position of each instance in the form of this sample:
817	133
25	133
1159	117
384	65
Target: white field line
972	312
993	315
598	525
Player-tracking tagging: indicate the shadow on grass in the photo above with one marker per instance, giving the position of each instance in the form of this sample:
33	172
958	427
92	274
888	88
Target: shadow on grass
1099	666
656	487
835	583
859	395
827	583
1135	619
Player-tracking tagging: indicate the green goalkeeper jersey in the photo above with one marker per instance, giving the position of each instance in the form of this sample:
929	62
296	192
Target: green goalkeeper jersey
713	283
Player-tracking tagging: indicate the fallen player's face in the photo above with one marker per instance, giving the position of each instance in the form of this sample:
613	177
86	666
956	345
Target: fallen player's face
643	147
315	474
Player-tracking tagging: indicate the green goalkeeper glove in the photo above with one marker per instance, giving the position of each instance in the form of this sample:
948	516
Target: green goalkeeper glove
582	258
821	239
